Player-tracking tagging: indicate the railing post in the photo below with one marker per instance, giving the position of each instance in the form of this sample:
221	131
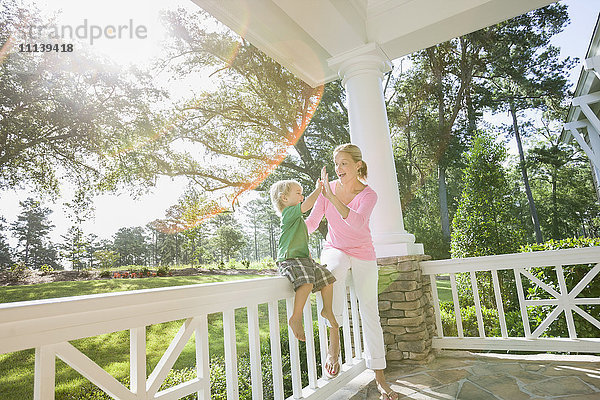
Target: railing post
202	356
137	361
45	373
406	308
231	371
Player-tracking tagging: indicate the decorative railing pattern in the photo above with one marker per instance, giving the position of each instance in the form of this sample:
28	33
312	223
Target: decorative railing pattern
49	325
564	300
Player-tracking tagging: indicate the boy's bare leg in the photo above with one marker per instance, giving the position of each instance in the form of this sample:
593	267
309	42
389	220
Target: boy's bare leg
334	332
295	321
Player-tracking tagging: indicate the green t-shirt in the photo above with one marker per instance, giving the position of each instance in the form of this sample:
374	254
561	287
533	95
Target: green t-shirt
293	242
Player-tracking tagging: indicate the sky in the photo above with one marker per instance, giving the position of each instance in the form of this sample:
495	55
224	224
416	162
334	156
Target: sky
116	211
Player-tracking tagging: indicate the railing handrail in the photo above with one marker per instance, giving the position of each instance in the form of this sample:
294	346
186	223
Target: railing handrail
546	258
49	325
29	324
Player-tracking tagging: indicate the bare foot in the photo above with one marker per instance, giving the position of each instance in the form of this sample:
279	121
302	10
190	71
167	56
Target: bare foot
296	325
331	318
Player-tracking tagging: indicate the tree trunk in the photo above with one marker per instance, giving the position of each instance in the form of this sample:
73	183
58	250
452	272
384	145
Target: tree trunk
471	115
255	244
444	214
442	190
532	209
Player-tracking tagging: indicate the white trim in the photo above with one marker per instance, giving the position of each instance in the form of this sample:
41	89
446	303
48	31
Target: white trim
519	344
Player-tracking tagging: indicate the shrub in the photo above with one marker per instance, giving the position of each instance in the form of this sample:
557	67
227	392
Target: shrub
163	270
233	264
491	323
46	268
265	263
105	274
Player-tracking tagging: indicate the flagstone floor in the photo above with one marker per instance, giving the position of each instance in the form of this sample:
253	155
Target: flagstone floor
464	375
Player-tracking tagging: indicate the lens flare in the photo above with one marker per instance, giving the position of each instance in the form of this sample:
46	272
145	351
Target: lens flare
194	211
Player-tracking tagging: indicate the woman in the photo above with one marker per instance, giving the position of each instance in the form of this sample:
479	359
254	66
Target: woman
347	204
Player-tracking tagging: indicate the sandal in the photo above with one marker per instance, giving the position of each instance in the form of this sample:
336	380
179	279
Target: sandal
391	395
332	369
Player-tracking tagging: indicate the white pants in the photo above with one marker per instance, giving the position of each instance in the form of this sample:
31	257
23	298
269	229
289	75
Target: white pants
364	275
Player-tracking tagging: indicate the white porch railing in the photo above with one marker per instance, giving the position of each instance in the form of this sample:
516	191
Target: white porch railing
49	325
564	300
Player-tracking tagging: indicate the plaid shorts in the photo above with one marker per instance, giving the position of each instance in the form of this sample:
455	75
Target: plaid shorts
301	271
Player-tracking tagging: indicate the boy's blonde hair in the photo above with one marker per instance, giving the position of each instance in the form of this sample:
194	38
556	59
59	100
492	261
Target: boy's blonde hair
354	152
280	189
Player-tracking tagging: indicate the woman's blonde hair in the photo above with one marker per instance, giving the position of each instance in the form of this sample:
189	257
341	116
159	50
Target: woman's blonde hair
353	151
280	189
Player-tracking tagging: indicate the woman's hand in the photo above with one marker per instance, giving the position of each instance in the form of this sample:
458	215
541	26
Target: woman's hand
325	188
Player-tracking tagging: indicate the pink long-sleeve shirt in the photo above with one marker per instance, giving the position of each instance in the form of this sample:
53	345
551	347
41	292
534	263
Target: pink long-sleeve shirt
351	235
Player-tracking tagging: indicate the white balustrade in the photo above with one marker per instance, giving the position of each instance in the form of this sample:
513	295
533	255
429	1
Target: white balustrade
564	301
49	325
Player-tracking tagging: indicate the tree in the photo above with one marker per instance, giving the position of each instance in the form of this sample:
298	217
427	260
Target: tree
413	131
228	239
74	247
524	72
74	118
106	258
31	230
130	244
562	186
5	251
485	222
256	119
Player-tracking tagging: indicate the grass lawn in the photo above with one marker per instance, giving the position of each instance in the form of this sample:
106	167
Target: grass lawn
111	351
444	290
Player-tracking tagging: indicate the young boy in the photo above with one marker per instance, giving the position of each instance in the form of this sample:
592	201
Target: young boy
294	260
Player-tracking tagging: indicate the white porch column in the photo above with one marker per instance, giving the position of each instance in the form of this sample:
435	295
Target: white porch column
362	71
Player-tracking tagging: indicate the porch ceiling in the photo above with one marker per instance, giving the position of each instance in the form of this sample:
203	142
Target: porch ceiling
303	34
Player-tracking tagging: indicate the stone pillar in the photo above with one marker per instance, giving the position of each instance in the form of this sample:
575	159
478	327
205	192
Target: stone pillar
406	309
362	71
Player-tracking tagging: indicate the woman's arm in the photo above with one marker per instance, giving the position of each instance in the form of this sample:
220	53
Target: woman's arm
316	215
360	217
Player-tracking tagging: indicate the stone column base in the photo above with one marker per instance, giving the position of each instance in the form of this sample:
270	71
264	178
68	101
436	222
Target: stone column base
406	309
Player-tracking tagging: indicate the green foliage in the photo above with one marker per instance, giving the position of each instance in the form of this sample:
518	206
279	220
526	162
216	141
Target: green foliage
46	268
228	239
105	274
31	230
568	243
562	185
75	118
5	250
484	223
163	270
491	323
106	258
